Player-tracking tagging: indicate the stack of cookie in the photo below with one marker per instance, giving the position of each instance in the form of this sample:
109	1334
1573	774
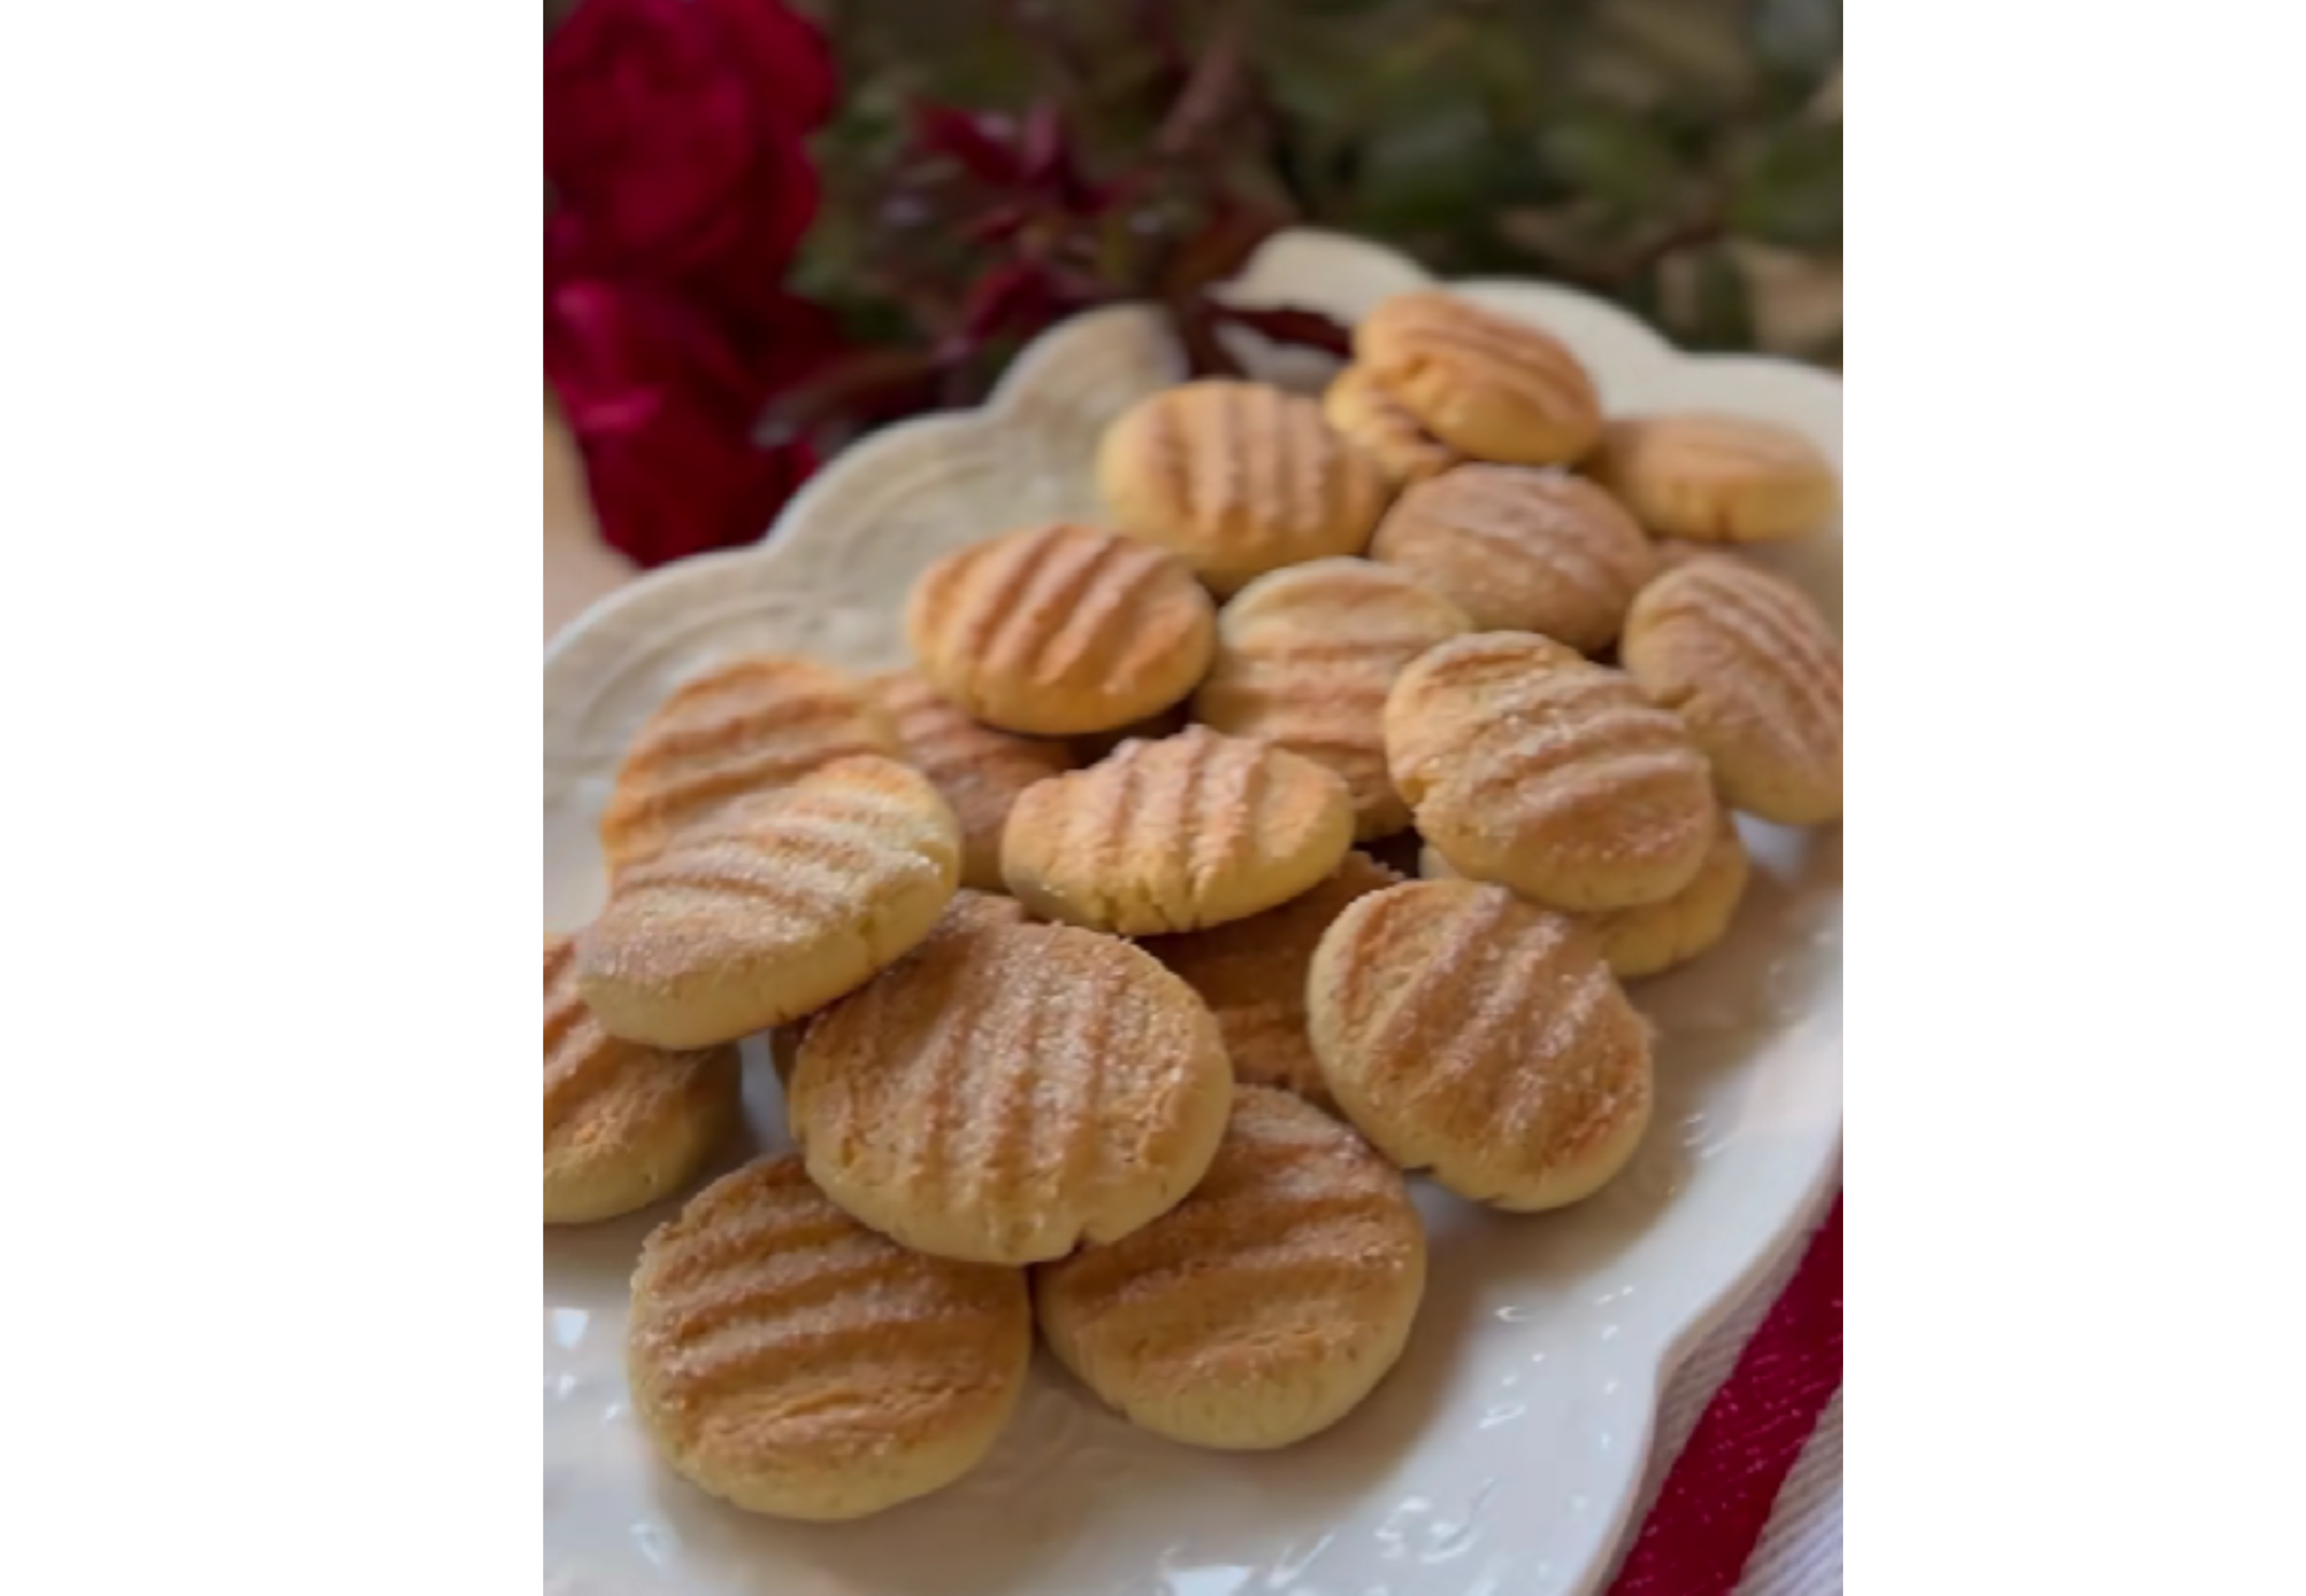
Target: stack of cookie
1098	1015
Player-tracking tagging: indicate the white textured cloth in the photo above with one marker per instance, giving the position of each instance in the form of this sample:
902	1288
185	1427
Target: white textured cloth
1801	1552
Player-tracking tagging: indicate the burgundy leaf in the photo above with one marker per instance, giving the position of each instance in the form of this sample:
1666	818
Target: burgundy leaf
1291	324
1222	247
941	129
1212	91
1205	355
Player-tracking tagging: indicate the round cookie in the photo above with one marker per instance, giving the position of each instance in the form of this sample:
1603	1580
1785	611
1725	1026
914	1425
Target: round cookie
979	771
1470	1033
1008	1091
786	900
1716	479
1654	937
1305	657
1521	551
1358	407
624	1123
1192	831
1262	1309
1060	629
1755	673
1529	766
1485	384
786	1359
1239	478
1251	974
750	725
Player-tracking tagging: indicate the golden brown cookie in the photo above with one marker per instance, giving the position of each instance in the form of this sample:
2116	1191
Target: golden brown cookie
1089	749
1251	974
1656	936
785	1358
1060	629
979	771
1192	831
1263	1308
1240	478
624	1124
750	725
1359	407
1756	672
1305	657
1466	1031
1716	479
1485	384
778	905
1521	551
1005	1092
1529	766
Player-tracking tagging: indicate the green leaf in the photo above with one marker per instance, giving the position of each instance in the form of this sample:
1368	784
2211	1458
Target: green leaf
1612	154
1790	192
1797	36
1723	316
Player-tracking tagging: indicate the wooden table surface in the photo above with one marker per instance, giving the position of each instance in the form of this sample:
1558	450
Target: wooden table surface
579	567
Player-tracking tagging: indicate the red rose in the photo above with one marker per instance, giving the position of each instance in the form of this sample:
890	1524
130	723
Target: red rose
679	186
674	129
663	410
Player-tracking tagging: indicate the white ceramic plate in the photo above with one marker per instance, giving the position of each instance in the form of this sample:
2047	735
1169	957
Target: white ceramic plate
1504	1455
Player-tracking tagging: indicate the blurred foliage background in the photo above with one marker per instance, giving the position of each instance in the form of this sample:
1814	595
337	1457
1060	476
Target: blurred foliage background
1686	158
1682	157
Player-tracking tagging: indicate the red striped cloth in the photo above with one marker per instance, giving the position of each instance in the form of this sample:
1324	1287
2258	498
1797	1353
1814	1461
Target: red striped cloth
1716	1498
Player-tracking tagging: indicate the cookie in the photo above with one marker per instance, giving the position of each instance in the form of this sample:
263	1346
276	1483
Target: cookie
1656	936
1251	974
624	1124
1753	671
751	725
1360	408
786	900
1239	478
786	1359
1529	766
1305	657
979	771
1192	831
1716	479
1060	629
1262	1309
1009	1090
1466	1031
1485	384
1521	551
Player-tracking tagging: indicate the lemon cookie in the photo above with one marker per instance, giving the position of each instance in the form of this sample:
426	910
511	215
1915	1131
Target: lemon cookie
1240	478
1521	551
979	771
1654	937
1716	479
1267	1305
786	900
1362	409
1756	672
1192	831
1468	1032
1528	765
1004	1093
786	1359
1305	657
1061	629
1251	974
750	725
624	1124
1485	384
